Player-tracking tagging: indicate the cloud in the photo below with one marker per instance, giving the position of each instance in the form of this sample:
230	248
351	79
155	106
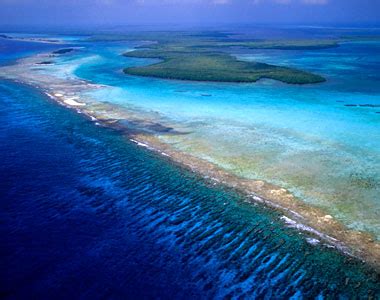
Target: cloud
178	2
105	2
221	2
283	1
161	2
287	2
315	2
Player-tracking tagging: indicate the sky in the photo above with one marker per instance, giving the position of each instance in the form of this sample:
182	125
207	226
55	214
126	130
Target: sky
198	12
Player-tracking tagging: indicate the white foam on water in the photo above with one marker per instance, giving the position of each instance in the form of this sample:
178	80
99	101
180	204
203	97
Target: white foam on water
257	198
142	144
293	224
313	241
50	95
72	102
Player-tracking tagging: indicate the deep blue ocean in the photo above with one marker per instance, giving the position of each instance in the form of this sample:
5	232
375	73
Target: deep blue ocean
86	214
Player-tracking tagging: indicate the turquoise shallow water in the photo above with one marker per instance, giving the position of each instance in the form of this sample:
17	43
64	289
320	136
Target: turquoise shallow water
303	138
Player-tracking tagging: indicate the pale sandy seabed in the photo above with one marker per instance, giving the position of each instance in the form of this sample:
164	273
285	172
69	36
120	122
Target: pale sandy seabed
142	129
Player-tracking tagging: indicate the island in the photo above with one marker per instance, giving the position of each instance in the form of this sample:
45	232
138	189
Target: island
4	36
63	51
206	58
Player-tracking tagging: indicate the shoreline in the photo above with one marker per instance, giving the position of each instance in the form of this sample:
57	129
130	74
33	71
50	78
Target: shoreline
320	228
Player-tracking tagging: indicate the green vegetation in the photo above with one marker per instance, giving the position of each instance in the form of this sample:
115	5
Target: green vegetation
45	63
285	44
214	66
360	38
202	57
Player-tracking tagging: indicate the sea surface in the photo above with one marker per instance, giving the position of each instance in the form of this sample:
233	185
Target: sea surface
320	141
85	213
